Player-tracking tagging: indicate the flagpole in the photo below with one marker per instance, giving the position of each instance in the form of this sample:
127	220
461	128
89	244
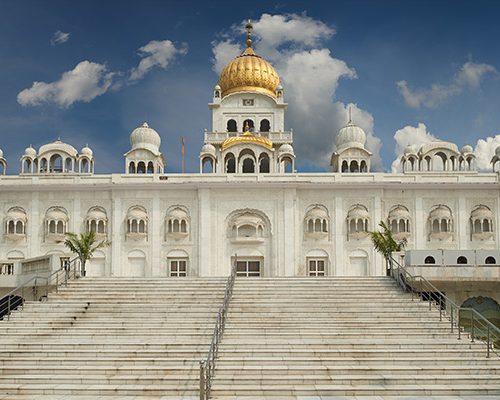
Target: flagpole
182	153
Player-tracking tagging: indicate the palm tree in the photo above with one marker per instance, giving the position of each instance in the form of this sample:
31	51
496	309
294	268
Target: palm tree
384	242
83	246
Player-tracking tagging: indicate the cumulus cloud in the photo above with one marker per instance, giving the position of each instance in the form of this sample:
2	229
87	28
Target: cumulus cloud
419	135
409	135
59	37
157	53
83	83
485	150
469	77
310	73
224	51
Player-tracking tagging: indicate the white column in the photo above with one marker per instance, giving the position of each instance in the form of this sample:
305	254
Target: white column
289	262
420	225
34	236
461	217
338	227
156	264
115	235
205	234
378	264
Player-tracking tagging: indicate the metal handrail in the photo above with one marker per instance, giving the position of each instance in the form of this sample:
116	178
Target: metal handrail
38	288
207	366
447	308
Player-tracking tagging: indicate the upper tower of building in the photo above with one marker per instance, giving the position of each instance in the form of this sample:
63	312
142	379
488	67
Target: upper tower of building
248	111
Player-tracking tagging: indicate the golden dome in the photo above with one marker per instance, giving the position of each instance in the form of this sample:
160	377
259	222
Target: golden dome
249	73
247	137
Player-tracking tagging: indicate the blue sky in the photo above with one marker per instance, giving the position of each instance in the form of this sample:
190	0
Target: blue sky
340	53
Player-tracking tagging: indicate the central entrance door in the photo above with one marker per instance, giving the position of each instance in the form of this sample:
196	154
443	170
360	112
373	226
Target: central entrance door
248	268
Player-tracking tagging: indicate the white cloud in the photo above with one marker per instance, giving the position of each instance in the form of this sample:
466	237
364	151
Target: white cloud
310	74
157	53
469	77
485	150
419	135
224	52
409	135
83	83
59	37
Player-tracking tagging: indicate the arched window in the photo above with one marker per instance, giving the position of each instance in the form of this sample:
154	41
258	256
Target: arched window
230	164
265	126
248	125
151	168
232	126
131	167
490	260
363	167
264	164
287	165
248	166
462	260
56	163
141	167
69	165
429	260
207	165
354	166
345	166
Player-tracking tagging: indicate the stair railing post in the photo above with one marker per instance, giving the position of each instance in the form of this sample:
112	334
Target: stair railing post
202	380
472	325
451	319
487	341
8	307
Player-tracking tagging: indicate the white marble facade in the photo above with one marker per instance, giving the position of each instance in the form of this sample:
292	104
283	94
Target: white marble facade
248	199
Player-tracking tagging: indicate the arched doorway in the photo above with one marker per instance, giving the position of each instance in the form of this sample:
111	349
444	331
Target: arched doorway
358	263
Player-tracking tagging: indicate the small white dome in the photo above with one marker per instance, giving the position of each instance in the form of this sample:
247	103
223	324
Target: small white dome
279	87
87	151
285	149
30	152
399	212
481	212
217	87
56	214
467	149
440	212
351	136
497	151
145	137
358	212
137	212
58	146
208	149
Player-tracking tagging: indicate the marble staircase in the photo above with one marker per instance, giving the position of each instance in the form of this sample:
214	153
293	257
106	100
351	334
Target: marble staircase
111	337
286	338
320	337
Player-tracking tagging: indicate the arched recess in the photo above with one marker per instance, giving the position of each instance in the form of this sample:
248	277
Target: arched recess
317	263
265	126
96	266
232	126
264	163
136	263
178	263
207	165
486	306
230	163
15	255
358	263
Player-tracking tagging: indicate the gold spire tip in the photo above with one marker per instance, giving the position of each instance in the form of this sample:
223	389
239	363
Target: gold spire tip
249	28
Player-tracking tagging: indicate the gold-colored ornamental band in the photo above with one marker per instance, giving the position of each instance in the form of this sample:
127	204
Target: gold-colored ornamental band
249	89
247	138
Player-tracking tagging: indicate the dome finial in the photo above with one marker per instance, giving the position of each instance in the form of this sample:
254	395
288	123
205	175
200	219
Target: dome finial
249	28
350	116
